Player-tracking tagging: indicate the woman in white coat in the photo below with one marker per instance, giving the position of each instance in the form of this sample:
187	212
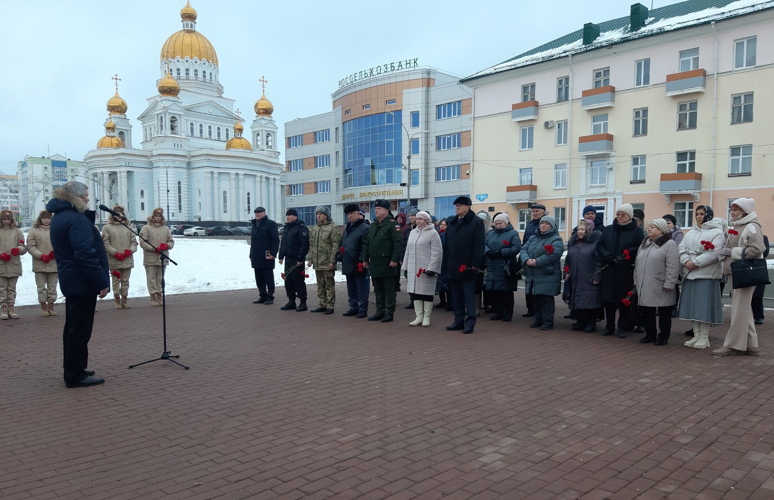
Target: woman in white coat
423	252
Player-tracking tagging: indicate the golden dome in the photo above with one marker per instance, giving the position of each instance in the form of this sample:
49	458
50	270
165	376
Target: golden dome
116	105
191	44
168	86
110	140
188	12
238	128
110	126
263	106
239	143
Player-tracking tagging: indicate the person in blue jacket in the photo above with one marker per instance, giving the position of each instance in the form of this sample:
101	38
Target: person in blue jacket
82	264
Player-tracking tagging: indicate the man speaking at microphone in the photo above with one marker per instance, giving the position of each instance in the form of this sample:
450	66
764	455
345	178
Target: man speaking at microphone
82	264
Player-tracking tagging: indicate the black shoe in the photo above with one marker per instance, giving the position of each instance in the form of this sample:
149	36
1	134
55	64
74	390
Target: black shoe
547	326
441	305
689	333
621	334
376	317
410	305
645	340
387	318
288	306
268	302
536	325
86	382
361	314
590	328
758	321
351	312
488	309
507	318
496	317
567	316
89	373
260	301
301	307
606	332
454	327
467	330
660	342
576	327
317	310
639	329
329	311
527	314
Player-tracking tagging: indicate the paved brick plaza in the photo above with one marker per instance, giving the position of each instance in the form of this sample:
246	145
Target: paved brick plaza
297	405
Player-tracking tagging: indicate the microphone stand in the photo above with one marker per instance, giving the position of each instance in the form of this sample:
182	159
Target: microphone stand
165	355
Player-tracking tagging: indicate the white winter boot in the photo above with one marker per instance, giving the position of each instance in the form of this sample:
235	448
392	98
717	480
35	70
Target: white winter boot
703	341
428	311
419	308
690	343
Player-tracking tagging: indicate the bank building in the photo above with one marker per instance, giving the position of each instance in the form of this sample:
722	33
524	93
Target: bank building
195	160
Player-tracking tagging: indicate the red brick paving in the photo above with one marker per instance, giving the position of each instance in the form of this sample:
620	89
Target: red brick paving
297	405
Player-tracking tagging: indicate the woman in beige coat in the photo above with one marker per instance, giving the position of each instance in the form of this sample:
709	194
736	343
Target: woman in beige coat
158	234
656	271
120	245
745	240
43	262
423	252
11	249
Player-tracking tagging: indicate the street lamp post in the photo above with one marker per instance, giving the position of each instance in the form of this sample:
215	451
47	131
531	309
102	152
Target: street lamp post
408	158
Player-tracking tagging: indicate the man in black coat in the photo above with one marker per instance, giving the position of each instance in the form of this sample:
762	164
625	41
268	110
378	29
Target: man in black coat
590	214
264	243
294	246
465	245
350	256
532	228
81	262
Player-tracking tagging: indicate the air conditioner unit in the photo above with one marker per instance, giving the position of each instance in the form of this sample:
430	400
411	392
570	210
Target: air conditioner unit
548	124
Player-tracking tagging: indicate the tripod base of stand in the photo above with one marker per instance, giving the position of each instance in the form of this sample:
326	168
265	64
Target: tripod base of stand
164	356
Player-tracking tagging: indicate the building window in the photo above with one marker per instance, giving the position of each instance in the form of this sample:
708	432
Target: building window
196	73
179	197
322	161
525	214
414	146
296	165
372	148
142	206
444	206
689	60
257	140
178	73
366	106
686	162
527	138
348	112
390	102
296	141
561	133
248	202
641	121
448	110
528	92
323	187
741	160
218	133
451	173
186	73
744	52
209	131
296	189
560	176
598	173
742	108
560	214
684	213
415	119
225	202
191	129
525	176
444	142
687	113
601	77
269	141
642	73
337	159
337	135
563	89
599	124
201	130
322	136
415	177
228	132
638	169
142	194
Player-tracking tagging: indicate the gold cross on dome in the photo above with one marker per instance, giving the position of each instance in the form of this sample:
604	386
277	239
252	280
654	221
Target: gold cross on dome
115	79
263	81
238	113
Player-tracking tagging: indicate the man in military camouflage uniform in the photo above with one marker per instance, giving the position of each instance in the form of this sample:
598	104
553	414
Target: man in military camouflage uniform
323	246
381	254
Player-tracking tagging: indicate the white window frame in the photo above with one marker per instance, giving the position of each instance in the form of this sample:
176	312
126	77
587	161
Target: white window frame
741	105
745	52
390	102
525	176
560	176
527	142
366	107
528	92
691	61
322	161
296	190
447	173
738	157
524	215
322	136
448	110
449	141
296	165
684	214
687	112
563	89
593	168
560	216
323	186
642	72
639	169
561	133
601	77
684	166
599	127
640	117
295	141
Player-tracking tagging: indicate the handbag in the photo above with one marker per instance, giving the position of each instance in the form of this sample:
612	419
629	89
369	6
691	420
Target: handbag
749	272
513	269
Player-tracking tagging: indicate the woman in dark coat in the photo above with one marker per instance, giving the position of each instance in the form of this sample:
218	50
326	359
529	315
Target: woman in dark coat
760	290
443	278
582	264
541	255
618	277
502	245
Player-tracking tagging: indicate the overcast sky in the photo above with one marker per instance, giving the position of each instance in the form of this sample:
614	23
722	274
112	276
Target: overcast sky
59	55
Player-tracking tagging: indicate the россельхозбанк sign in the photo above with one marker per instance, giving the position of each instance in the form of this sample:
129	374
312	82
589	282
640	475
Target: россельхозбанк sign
379	70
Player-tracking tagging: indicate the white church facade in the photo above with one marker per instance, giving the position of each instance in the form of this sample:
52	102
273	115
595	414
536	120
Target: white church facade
195	161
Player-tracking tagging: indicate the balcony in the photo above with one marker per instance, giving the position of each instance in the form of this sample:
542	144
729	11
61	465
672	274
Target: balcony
524	111
685	183
590	145
521	194
602	97
687	82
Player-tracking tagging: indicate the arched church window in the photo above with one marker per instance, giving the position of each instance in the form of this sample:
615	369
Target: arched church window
225	202
179	196
201	130
122	135
178	72
210	76
248	202
142	194
227	132
191	128
196	73
209	131
218	133
161	124
258	140
186	72
204	75
173	125
268	141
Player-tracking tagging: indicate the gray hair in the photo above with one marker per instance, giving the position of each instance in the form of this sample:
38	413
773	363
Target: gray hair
76	188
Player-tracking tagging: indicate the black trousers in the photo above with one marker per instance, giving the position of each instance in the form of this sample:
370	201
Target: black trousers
545	307
264	280
295	286
585	317
79	321
648	320
384	291
757	308
623	316
502	302
528	300
463	294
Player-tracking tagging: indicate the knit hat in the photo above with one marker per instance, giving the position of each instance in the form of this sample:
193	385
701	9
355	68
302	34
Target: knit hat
483	216
627	209
639	213
352	207
259	210
382	204
322	209
291	211
661	224
421	214
463	200
746	204
588	209
550	220
414	212
502	217
671	218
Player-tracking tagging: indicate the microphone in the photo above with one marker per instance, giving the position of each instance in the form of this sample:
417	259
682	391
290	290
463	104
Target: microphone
112	212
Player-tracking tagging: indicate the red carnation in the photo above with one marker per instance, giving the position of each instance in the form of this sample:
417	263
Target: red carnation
51	255
282	275
733	231
549	249
15	251
341	250
360	267
119	256
164	246
629	294
45	258
506	243
116	274
462	268
21	242
127	253
566	269
4	256
626	302
306	276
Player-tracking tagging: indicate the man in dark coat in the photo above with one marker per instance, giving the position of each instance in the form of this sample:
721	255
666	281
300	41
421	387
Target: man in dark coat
381	254
82	264
532	228
760	291
352	267
294	246
465	244
590	214
618	277
264	243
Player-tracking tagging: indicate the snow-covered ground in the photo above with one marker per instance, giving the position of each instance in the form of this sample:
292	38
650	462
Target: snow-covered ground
203	266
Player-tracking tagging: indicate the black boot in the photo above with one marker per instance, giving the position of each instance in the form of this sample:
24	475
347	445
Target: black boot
301	306
290	305
410	305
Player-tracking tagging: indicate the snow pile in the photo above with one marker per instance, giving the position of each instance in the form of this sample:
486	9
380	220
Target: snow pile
203	266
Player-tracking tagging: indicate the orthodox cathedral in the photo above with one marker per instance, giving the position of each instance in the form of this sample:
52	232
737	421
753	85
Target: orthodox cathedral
195	161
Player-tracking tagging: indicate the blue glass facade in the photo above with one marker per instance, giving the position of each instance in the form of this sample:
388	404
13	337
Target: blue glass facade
372	150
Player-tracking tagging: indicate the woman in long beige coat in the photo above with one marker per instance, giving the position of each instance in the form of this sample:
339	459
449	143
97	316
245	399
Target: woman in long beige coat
158	234
43	262
11	249
745	240
120	245
423	251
